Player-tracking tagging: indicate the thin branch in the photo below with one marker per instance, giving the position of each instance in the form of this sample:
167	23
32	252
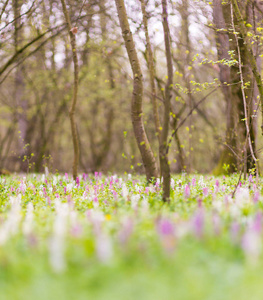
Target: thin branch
3	9
20	16
188	115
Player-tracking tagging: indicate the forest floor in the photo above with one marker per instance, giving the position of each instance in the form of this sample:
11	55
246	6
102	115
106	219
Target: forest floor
111	237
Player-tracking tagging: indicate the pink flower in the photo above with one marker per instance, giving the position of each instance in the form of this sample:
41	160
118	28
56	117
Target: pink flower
205	191
198	223
187	191
256	197
250	178
165	227
234	231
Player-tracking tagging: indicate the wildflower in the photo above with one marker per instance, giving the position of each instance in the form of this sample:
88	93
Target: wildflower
166	232
11	225
217	183
104	248
242	197
198	223
126	230
205	191
125	191
57	241
216	224
165	227
187	191
256	197
234	231
172	183
251	244
134	200
250	178
28	223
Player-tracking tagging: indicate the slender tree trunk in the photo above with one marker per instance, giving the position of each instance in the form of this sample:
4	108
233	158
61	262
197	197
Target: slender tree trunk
19	87
137	95
75	93
151	68
164	163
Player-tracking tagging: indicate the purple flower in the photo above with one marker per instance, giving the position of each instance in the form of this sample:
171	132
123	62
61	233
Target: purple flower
198	223
251	244
234	231
165	227
115	194
216	223
200	202
48	201
250	178
205	191
257	223
187	191
76	230
256	197
126	231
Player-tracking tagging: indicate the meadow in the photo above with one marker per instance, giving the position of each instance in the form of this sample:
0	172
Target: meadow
112	237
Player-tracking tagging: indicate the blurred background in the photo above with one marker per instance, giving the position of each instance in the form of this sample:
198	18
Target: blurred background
36	86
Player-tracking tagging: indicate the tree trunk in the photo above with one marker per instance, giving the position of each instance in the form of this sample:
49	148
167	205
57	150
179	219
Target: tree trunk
151	68
164	163
236	152
137	95
19	87
72	32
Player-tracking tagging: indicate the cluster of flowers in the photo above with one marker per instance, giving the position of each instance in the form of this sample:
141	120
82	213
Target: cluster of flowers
113	210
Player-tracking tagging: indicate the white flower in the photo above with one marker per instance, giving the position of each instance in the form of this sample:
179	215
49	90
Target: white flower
28	222
57	241
104	248
134	200
69	187
242	197
125	191
11	226
172	183
218	205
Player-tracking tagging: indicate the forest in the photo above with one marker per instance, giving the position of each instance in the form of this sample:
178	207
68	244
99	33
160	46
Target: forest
130	149
199	88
